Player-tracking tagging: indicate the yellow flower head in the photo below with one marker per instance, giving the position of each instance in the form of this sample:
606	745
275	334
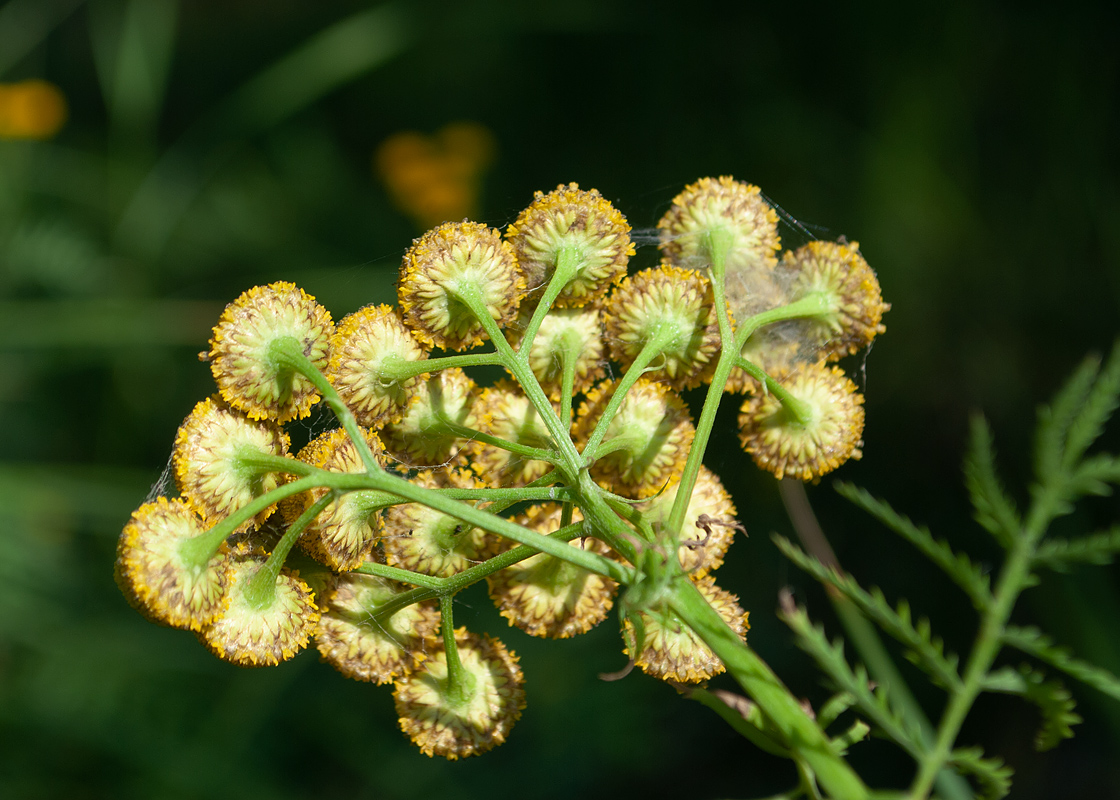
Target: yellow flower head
251	636
31	110
154	575
448	263
344	533
840	275
365	646
648	439
666	301
248	376
363	351
424	540
729	209
545	596
212	460
565	330
709	523
813	447
671	650
438	724
582	222
420	438
505	412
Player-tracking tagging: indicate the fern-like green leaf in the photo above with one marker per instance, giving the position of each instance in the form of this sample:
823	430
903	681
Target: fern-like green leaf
1093	476
1034	642
856	733
834	707
874	704
1088	423
994	510
993	776
1052	698
957	566
1061	554
924	650
1056	419
1056	704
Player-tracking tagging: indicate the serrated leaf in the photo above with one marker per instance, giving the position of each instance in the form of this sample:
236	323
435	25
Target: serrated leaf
993	776
957	566
1061	554
1102	400
994	510
856	733
1054	420
1033	642
874	705
924	650
834	707
1056	704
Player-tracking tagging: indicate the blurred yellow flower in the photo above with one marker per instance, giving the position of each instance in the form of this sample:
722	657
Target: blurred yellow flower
31	110
435	179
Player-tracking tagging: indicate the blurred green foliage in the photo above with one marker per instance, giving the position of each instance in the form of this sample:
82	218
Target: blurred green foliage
969	146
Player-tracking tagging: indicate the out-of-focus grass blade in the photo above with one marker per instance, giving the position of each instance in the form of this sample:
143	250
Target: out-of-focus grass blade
327	60
25	23
106	323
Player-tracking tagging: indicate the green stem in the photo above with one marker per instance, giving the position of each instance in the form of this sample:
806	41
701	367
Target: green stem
519	366
261	589
815	304
1014	577
568	261
523	450
400	575
799	732
569	356
202	548
460	682
287	352
397	369
797	410
653	348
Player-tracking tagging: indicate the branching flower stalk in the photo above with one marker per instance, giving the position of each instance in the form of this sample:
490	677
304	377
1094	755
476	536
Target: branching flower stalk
424	533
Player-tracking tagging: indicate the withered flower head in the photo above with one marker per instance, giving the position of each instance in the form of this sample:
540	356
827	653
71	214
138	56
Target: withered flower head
344	533
671	650
213	460
703	546
439	725
249	377
420	438
545	596
364	350
154	575
252	636
666	304
727	208
582	223
364	645
648	439
575	333
424	540
847	285
505	412
449	263
805	450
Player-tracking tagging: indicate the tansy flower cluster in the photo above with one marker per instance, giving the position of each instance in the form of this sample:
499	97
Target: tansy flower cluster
574	487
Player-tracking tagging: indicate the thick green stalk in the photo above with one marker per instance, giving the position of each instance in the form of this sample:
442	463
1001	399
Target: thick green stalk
800	733
460	682
568	261
395	368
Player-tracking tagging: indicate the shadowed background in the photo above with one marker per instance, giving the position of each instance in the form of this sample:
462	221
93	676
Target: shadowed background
157	158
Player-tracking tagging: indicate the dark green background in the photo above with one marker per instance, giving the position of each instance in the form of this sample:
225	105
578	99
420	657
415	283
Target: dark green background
970	147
